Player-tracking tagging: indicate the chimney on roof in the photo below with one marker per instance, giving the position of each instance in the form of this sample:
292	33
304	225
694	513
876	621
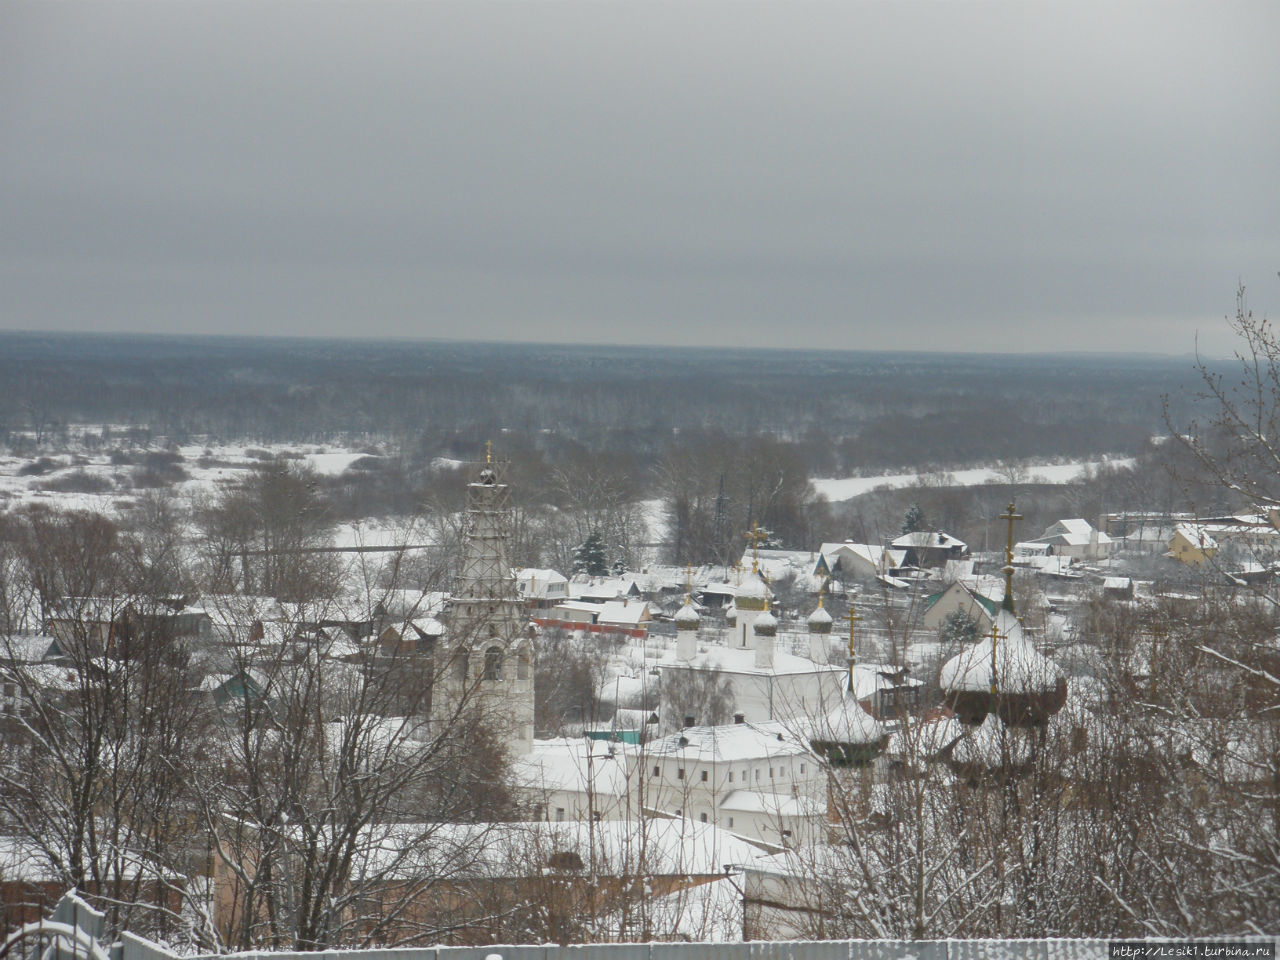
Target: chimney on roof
688	721
739	718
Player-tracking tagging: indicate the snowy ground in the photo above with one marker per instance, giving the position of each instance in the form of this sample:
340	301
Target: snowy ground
836	489
206	467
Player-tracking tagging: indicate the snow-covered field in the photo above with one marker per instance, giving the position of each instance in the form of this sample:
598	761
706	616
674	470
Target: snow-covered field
206	469
846	488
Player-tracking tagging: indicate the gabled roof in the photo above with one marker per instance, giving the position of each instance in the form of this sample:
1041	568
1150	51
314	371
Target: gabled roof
988	604
921	539
1076	526
872	554
1196	535
536	582
631	613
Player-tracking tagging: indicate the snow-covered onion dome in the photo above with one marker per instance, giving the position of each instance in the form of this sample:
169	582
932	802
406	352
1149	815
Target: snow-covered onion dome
820	620
1026	690
766	625
989	746
848	735
687	618
731	615
753	593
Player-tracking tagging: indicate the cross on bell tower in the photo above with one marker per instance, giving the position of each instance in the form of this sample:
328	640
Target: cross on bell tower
1010	516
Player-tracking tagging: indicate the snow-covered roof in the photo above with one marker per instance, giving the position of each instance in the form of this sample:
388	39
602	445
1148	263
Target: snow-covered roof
578	606
237	609
411	604
742	661
703	913
730	743
576	765
1197	535
776	564
928	538
427	626
49	677
872	554
624	613
540	582
773	804
25	649
1075	525
661	847
601	590
1057	566
868	678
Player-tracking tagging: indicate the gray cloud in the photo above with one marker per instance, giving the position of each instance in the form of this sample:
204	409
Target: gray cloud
942	175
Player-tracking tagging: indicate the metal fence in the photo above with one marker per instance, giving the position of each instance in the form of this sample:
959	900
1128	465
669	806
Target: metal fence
74	930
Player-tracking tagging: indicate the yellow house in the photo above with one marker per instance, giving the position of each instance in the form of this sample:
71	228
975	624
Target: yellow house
1192	544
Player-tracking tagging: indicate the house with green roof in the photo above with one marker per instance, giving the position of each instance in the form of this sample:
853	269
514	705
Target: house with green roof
960	597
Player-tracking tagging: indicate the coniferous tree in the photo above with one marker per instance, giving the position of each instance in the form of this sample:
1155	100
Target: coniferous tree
913	520
590	558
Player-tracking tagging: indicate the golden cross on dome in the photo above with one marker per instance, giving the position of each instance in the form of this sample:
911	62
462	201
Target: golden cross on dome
755	536
488	451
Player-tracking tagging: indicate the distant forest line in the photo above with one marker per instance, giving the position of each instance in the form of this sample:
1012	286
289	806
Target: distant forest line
841	413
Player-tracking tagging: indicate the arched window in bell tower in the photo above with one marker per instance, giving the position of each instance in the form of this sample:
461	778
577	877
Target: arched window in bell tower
493	663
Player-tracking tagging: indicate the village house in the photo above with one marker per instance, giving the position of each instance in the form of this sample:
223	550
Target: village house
1192	544
849	561
928	548
541	589
1075	538
960	598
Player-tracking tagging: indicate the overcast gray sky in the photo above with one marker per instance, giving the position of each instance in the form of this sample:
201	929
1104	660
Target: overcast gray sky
947	175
